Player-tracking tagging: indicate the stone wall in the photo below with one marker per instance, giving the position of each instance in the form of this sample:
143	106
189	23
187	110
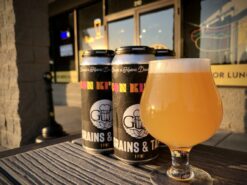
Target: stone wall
24	57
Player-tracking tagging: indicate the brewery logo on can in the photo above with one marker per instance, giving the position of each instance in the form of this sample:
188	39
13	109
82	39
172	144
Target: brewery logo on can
101	114
132	122
132	142
96	98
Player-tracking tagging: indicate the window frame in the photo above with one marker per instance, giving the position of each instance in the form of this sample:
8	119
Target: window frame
136	13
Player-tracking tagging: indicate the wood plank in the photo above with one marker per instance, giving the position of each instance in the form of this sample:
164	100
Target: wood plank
6	178
36	146
68	163
227	167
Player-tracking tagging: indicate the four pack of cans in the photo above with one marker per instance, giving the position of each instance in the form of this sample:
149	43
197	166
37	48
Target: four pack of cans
111	89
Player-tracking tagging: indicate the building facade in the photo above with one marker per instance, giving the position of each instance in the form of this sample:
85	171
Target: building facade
191	28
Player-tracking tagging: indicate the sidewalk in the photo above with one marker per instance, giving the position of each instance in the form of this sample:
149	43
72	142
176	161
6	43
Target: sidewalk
70	119
229	140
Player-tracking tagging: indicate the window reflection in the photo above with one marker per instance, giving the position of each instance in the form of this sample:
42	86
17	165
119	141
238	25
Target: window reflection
216	30
156	29
121	33
91	28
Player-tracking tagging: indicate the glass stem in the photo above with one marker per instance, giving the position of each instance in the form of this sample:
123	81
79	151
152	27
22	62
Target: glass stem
180	169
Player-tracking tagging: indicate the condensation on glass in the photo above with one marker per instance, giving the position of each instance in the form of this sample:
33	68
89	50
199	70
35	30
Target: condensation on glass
216	30
156	28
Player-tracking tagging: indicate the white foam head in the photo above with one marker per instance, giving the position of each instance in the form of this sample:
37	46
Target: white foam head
183	65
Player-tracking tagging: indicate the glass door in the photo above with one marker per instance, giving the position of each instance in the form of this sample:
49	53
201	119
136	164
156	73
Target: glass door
151	24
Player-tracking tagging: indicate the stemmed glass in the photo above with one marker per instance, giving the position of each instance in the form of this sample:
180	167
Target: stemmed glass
181	107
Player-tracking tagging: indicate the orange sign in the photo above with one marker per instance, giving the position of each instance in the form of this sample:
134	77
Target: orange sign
230	75
66	76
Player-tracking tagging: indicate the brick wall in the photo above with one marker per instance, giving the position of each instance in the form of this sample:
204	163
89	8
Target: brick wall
24	57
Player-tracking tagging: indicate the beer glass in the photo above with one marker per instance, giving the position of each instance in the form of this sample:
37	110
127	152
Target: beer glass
181	107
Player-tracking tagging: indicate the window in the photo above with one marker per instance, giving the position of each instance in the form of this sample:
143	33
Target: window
91	27
216	30
121	33
151	25
62	41
156	28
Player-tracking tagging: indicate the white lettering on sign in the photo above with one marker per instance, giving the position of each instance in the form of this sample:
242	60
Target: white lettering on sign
134	147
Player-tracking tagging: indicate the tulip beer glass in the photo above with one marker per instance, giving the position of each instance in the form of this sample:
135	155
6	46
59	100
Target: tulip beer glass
181	107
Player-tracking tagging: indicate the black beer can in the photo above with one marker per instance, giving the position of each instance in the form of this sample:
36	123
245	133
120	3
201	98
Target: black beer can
161	54
96	99
132	143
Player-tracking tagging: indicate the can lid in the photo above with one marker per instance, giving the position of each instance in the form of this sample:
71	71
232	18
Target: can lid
134	50
98	53
164	52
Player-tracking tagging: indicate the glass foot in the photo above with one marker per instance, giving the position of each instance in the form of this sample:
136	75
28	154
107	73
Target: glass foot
160	177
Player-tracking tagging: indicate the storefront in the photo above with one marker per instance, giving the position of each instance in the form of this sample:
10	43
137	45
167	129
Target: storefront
191	28
111	24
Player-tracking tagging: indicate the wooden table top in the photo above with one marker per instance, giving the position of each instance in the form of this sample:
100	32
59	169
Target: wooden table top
67	163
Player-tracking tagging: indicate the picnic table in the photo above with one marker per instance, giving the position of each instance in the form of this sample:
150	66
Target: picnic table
68	163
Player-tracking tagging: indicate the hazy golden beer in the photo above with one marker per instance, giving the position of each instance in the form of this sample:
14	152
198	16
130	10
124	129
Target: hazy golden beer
180	105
